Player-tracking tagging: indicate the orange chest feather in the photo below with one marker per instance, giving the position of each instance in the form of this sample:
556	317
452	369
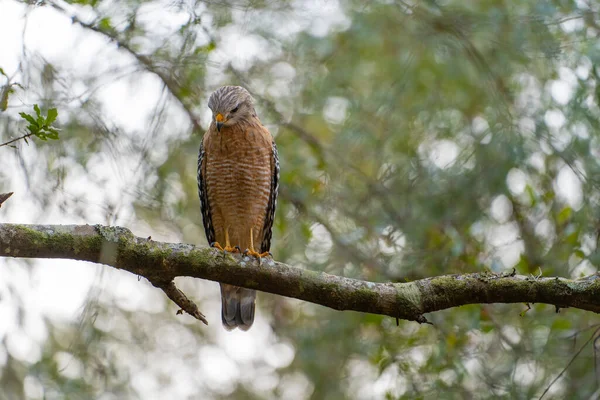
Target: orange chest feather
238	175
235	155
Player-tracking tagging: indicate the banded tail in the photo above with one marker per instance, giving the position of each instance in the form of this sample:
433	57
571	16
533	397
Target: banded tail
237	307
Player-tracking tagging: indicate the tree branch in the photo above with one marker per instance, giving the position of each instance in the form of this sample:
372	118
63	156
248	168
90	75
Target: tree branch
16	139
179	298
4	197
161	262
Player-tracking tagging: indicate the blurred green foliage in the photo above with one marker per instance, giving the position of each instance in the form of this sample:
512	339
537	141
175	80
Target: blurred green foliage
415	138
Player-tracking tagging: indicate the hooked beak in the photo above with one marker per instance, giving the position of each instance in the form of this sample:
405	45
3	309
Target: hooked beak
219	121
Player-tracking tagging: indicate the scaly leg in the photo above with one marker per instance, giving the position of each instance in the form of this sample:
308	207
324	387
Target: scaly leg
251	251
227	247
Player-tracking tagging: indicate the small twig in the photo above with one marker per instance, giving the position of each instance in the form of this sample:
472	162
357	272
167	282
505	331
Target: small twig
16	139
522	313
593	337
179	298
4	197
538	276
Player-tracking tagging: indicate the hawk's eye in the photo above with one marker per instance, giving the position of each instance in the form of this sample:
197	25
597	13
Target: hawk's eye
235	109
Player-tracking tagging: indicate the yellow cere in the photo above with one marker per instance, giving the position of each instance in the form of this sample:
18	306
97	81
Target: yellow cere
219	117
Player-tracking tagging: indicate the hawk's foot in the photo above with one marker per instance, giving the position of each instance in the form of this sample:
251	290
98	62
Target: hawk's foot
254	253
229	249
217	246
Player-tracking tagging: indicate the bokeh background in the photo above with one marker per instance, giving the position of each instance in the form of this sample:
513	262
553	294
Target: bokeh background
416	138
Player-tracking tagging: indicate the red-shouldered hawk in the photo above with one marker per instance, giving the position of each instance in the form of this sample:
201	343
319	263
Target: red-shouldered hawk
238	178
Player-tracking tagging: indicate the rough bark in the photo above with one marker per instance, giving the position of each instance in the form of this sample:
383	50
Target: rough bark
161	262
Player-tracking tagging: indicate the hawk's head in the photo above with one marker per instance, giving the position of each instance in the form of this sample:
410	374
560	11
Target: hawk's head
231	105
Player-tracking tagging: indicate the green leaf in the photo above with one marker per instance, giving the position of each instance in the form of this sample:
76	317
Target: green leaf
579	253
52	135
572	239
52	114
104	24
84	2
548	197
4	98
29	118
562	324
42	127
385	362
564	215
522	313
206	49
531	194
486	326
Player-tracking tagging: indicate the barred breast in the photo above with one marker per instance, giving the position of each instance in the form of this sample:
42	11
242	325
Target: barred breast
238	181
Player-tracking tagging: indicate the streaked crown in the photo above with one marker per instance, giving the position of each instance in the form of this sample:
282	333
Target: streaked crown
227	98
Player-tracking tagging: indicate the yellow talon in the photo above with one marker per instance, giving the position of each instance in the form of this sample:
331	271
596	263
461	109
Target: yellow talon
228	247
217	246
251	251
256	254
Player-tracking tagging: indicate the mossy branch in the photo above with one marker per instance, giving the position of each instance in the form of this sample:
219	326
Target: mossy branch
161	262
